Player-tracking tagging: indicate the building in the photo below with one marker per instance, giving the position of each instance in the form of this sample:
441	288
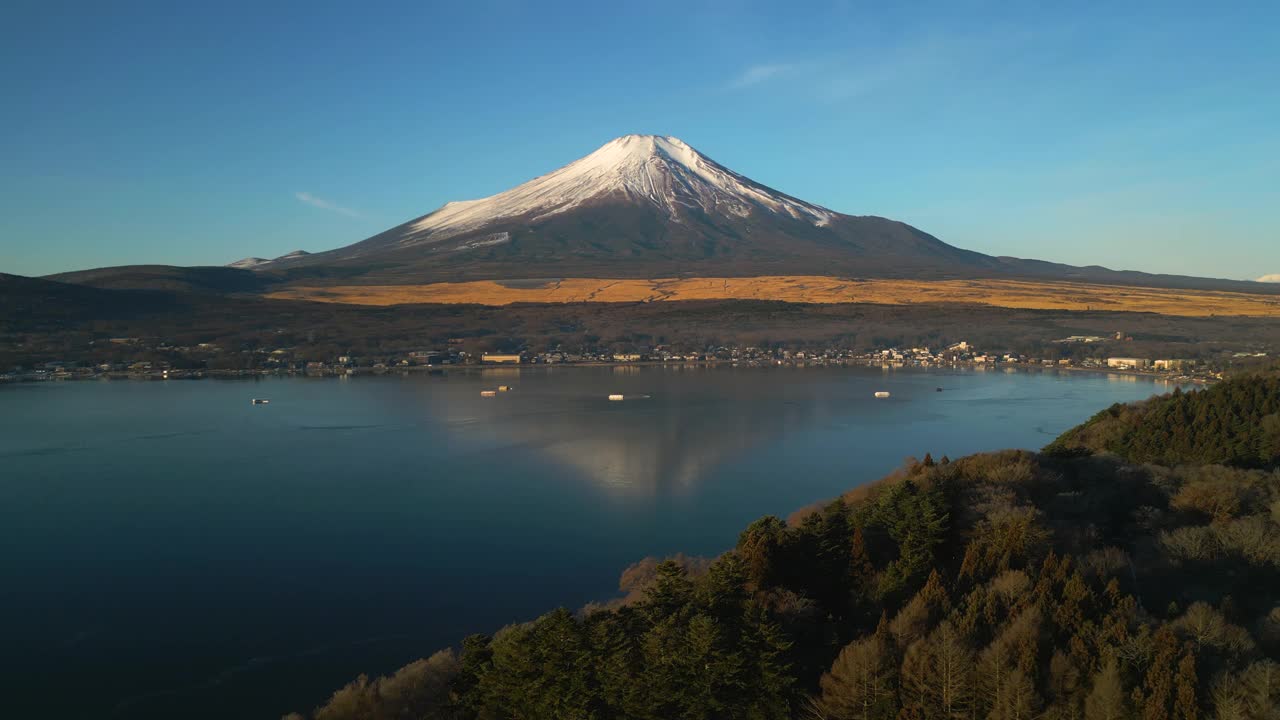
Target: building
501	359
626	357
1172	364
1128	363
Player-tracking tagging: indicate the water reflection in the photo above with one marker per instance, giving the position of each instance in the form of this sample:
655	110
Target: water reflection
681	424
676	426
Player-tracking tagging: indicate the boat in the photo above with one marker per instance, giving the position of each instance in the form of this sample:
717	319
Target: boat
259	401
616	397
503	388
488	393
882	394
937	390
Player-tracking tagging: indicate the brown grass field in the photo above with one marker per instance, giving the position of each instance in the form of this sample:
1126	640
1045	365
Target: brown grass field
808	289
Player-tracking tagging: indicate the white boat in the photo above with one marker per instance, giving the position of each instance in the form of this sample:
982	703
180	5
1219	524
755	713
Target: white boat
259	401
503	388
615	397
488	393
882	394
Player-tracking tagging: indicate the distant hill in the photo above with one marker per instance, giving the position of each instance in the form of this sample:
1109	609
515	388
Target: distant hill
219	280
30	304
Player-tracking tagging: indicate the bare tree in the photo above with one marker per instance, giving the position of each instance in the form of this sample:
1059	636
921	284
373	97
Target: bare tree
860	684
1107	699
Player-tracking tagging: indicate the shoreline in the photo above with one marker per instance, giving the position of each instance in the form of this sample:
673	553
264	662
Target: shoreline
471	368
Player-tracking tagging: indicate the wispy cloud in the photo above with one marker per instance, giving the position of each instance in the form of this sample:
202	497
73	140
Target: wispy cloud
757	74
922	65
1273	277
323	204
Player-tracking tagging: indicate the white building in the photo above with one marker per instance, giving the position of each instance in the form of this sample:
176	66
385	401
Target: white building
1128	363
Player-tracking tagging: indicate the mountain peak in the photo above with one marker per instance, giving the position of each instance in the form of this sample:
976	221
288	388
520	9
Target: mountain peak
648	144
631	149
656	170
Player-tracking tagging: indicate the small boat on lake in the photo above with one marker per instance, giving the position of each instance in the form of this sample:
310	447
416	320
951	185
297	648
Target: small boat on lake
616	397
882	394
259	401
488	393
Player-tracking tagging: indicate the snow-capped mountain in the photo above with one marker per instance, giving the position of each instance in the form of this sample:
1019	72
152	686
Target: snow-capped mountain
639	206
252	263
661	171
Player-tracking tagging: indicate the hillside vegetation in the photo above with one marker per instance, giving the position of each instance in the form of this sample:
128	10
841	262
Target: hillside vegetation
1236	422
1007	585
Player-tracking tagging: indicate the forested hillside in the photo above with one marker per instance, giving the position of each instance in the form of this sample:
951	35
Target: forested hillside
1236	422
1010	585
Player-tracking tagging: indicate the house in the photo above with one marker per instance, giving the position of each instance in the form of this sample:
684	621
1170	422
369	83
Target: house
626	357
501	359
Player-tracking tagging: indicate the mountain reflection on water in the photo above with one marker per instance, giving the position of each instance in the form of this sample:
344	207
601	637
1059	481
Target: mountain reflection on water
674	427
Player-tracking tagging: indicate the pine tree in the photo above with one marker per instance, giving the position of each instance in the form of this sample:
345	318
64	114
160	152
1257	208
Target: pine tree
670	593
712	676
760	547
771	681
618	663
859	561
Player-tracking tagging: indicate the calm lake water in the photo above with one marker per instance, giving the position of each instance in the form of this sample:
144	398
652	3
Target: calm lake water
170	550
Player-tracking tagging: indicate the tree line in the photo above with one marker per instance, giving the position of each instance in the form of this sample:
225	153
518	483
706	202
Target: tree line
1236	422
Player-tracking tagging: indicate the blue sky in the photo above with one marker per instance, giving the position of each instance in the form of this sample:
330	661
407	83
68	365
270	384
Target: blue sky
1144	137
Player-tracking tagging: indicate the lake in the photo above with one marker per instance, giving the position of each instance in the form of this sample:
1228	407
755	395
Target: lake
171	550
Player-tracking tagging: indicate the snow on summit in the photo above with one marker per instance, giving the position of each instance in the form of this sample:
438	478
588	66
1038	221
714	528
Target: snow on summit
664	171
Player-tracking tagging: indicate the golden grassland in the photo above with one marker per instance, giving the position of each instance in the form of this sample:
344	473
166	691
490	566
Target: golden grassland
1048	295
